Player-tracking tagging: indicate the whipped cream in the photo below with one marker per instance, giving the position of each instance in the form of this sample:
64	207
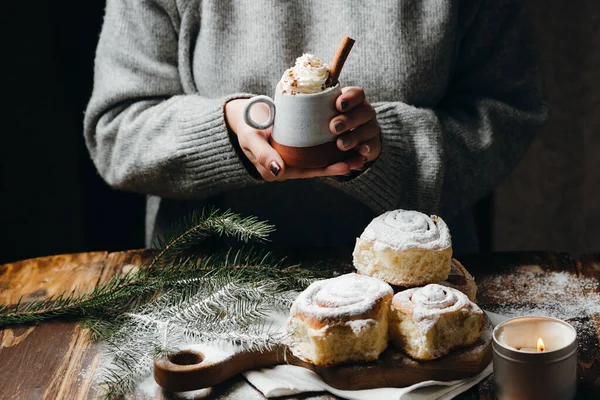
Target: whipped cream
308	76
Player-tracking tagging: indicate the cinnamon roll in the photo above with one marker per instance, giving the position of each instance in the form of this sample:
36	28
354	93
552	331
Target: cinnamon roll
340	319
458	278
405	248
427	323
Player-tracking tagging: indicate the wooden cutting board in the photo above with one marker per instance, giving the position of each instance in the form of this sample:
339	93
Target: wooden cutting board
192	370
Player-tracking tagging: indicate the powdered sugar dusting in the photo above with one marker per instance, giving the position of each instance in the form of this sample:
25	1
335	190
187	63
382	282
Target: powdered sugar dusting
562	295
433	296
403	230
341	298
360	325
429	302
556	294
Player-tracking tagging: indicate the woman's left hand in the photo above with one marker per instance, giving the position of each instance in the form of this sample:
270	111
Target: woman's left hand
357	127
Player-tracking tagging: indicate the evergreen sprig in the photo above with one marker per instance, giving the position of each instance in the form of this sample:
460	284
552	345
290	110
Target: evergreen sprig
181	298
193	229
227	306
124	292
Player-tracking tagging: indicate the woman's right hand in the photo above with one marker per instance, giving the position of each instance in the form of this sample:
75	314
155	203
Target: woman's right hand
255	145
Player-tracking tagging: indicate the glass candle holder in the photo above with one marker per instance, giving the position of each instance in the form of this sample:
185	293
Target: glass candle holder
535	358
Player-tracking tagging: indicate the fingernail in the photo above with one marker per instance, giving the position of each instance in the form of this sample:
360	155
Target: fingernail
344	105
367	148
338	126
275	168
345	142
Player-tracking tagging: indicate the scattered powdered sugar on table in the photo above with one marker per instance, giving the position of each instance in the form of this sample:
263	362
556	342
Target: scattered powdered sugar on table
556	294
487	385
559	295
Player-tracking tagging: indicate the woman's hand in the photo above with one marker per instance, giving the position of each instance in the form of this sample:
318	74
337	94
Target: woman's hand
357	127
255	145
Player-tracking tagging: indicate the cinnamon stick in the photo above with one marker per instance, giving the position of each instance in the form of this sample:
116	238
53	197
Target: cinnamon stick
339	59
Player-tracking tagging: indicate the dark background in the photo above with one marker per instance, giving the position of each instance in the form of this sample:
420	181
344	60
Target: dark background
52	200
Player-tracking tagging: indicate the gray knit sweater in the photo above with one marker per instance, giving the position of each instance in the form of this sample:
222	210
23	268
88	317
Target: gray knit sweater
455	85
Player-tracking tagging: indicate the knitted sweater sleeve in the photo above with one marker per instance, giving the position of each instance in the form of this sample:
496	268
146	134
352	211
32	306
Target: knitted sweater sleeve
444	158
145	131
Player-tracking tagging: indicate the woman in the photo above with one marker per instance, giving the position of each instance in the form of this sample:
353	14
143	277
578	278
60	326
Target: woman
442	100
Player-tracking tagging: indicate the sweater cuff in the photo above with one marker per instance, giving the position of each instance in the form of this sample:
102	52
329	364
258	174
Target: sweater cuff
206	152
407	172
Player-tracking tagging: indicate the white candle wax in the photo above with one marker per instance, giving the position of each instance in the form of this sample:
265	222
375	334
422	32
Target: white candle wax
524	336
528	349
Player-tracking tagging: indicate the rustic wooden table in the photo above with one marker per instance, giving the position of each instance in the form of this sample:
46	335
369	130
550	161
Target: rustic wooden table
56	360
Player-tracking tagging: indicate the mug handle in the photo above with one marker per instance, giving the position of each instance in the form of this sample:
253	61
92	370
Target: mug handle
259	99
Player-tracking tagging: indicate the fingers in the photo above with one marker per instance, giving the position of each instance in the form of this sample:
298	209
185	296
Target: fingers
264	157
271	167
356	161
364	133
352	119
350	98
357	126
370	149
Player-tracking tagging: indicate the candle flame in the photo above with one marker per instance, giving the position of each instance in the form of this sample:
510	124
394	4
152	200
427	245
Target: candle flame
540	345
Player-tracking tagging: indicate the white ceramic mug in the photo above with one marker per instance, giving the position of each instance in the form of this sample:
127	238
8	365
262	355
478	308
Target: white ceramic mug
300	122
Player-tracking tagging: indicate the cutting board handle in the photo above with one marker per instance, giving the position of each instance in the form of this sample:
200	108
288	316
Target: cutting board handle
191	370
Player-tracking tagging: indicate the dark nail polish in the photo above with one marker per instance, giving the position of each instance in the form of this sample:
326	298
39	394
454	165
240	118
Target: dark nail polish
345	142
275	168
344	105
339	126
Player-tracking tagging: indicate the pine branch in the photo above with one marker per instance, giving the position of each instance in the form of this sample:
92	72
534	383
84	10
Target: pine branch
228	307
225	298
125	371
199	225
157	327
115	294
127	291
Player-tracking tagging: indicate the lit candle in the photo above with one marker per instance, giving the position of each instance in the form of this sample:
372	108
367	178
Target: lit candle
535	358
537	349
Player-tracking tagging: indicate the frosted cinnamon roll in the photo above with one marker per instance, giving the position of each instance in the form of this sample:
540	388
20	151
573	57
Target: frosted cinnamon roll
458	278
427	323
340	319
405	248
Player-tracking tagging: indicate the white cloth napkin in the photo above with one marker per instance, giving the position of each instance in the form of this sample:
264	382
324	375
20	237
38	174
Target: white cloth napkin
286	380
